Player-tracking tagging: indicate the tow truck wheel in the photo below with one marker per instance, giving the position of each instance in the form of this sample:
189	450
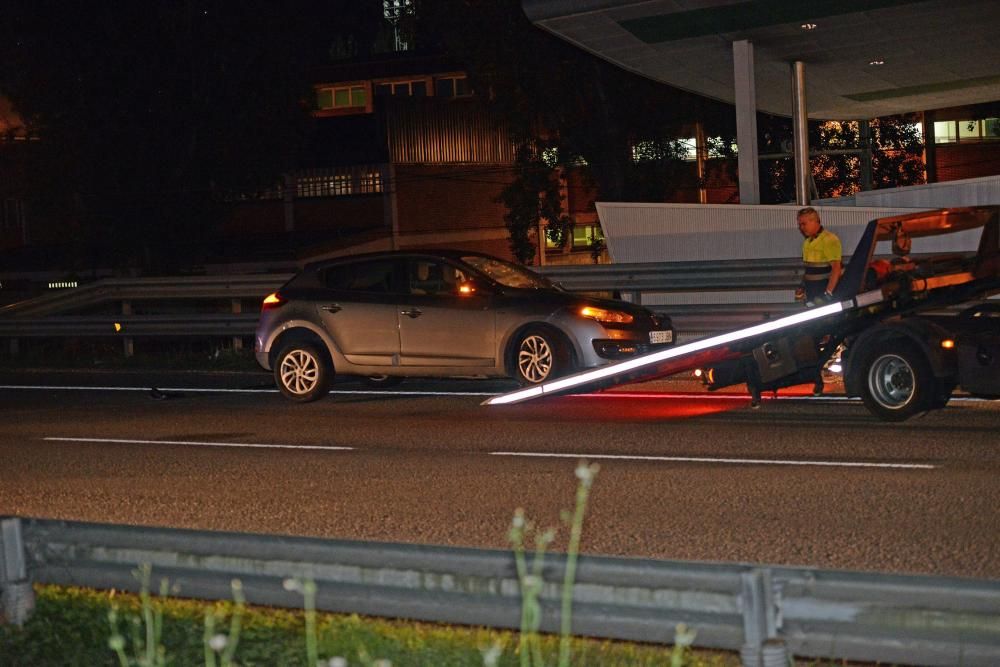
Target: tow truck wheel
898	381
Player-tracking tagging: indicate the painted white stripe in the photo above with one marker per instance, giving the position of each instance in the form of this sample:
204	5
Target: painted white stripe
698	459
365	392
391	392
193	443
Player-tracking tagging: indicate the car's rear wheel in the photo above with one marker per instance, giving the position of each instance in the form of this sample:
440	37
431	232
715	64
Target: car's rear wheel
541	355
898	382
301	372
381	381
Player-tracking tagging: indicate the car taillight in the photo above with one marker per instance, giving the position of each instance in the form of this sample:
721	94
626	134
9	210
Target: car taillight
272	300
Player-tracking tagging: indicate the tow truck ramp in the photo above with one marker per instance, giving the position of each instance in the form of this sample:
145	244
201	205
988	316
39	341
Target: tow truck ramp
702	352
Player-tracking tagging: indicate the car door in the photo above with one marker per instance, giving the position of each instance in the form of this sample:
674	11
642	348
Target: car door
439	326
360	310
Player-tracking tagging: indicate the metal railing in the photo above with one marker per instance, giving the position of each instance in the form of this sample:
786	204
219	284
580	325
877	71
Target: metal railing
57	314
146	289
635	280
807	612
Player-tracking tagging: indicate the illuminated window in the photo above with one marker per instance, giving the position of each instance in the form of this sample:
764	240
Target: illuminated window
582	237
452	86
341	184
371	181
341	97
586	236
951	131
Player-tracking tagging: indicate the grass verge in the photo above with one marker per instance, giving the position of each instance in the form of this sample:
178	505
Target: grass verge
70	627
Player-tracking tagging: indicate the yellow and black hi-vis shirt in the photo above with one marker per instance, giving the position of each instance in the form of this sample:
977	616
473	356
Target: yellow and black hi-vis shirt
818	252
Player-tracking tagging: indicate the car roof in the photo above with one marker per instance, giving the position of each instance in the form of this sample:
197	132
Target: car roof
445	253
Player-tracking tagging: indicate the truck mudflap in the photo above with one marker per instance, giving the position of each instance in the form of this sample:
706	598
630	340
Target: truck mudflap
696	354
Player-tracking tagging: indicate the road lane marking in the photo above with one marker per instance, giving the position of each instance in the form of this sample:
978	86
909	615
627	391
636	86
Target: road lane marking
377	392
194	443
700	459
365	392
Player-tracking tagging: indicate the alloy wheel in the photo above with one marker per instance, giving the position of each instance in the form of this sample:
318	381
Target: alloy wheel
534	358
300	372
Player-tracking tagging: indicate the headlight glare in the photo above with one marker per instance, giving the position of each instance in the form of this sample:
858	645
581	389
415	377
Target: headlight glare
606	316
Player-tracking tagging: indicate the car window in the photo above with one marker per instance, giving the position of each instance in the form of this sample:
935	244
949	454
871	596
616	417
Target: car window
431	276
372	276
507	274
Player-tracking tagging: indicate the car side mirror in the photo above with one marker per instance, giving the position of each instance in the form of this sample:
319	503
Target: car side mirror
471	288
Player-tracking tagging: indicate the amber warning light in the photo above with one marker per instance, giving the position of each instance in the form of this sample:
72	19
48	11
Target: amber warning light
272	300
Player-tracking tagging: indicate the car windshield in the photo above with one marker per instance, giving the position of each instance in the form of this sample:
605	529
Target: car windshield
507	274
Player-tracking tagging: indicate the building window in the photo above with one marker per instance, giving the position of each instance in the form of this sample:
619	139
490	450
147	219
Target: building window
371	181
961	131
583	237
326	185
415	88
343	97
321	183
452	86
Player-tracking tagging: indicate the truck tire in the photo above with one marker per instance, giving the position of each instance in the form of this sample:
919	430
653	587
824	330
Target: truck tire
897	381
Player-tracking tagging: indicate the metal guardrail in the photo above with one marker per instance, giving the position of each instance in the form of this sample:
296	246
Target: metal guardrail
233	324
56	315
147	289
807	612
637	279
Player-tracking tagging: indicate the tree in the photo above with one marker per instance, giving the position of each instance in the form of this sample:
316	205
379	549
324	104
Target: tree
148	113
896	155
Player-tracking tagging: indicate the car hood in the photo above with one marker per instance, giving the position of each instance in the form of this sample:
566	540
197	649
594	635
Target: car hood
557	297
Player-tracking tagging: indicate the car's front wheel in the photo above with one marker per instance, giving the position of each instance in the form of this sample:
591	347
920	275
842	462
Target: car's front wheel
898	382
540	356
301	372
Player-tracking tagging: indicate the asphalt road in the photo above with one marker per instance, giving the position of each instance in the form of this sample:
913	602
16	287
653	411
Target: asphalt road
684	475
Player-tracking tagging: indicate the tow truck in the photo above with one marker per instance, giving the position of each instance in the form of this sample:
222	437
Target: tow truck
907	343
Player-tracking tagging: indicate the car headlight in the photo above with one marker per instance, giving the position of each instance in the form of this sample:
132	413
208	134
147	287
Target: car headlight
606	316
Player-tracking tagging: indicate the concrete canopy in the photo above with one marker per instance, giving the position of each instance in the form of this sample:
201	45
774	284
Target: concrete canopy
933	54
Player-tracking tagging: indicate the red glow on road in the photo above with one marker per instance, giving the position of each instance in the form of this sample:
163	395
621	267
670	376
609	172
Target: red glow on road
628	406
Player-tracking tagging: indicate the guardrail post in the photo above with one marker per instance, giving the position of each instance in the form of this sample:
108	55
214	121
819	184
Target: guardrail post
761	647
127	342
17	599
237	309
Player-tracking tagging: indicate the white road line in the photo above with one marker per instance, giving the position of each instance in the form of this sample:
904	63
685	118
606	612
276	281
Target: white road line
372	392
194	443
698	459
376	392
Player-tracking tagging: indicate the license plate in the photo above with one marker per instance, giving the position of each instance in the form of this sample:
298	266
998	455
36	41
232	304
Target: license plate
656	337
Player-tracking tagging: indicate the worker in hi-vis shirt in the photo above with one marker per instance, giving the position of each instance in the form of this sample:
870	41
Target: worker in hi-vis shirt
821	258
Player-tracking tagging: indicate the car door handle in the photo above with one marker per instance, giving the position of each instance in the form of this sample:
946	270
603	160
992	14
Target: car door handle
412	313
331	308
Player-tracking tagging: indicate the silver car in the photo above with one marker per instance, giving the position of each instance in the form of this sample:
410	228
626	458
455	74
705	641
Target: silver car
387	316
